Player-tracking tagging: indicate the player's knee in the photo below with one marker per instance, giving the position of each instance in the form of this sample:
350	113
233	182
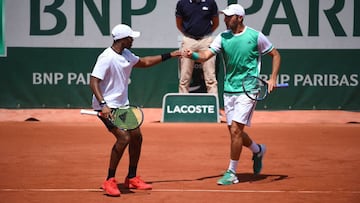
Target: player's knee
235	132
122	137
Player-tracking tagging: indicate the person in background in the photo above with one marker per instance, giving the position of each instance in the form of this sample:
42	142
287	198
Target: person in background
197	20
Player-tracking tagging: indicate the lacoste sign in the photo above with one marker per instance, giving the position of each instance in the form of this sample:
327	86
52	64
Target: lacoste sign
194	107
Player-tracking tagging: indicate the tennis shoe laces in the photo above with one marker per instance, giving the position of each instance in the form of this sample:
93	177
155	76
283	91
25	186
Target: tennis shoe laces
111	188
257	158
228	178
137	183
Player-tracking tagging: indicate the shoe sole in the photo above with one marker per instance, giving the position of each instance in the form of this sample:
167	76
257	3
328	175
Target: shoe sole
233	182
108	194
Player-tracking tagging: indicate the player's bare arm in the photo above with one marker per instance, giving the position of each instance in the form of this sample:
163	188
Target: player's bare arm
198	56
148	61
276	60
94	85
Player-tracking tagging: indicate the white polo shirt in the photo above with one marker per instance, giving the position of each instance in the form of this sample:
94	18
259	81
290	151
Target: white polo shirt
114	71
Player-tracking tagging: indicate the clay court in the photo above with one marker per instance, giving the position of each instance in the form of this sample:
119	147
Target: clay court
313	156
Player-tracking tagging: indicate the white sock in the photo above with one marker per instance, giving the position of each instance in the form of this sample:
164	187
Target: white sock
254	147
233	165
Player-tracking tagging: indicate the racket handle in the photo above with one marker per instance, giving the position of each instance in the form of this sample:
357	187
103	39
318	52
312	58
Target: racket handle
282	85
89	112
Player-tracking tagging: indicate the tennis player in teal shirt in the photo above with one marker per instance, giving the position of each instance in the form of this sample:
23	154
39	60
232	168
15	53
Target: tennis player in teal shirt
242	48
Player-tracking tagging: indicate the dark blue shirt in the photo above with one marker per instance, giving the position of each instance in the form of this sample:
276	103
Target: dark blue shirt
196	16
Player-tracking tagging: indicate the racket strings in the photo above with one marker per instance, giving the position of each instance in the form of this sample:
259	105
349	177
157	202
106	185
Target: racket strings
138	115
255	88
262	91
128	118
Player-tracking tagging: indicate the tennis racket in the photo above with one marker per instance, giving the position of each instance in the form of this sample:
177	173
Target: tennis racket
127	117
256	88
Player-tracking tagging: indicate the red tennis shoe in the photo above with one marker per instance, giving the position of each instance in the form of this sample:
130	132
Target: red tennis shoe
111	188
137	183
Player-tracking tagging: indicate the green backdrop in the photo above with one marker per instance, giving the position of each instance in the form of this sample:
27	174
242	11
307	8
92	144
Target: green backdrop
58	78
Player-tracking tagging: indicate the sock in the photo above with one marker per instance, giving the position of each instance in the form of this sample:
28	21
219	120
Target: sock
254	147
111	173
132	171
233	165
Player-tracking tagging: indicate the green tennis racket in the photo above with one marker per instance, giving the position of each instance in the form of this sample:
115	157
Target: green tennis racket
126	117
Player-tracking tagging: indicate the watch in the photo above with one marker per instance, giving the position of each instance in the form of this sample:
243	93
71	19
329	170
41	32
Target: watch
102	103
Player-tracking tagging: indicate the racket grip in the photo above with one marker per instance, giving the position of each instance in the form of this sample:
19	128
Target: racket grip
89	112
282	85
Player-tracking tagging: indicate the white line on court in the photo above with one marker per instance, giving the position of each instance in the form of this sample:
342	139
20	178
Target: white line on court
254	191
188	190
50	190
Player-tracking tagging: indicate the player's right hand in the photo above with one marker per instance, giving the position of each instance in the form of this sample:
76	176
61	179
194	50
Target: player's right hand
187	53
106	112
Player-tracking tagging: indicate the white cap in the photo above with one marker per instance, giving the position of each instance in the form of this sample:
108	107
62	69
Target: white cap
121	31
234	9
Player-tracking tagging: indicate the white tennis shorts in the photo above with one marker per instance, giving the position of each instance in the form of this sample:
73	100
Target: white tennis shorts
238	108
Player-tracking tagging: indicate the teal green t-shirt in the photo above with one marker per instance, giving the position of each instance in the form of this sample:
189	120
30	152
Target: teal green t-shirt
242	55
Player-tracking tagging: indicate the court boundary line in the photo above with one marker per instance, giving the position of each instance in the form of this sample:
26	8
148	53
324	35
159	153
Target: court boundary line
185	190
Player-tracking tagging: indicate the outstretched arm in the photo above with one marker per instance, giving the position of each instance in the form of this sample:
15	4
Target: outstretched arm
198	56
148	61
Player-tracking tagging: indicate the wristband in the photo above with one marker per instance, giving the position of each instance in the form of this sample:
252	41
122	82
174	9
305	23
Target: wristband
195	56
165	56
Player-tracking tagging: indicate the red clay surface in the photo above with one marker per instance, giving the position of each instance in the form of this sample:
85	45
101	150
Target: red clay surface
312	156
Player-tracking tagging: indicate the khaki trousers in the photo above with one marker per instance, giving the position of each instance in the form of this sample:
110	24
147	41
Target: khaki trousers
187	65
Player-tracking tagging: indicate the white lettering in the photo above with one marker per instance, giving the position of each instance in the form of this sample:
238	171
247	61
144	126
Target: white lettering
297	79
344	81
333	80
284	78
354	80
191	109
318	80
79	79
307	80
330	80
37	79
47	78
